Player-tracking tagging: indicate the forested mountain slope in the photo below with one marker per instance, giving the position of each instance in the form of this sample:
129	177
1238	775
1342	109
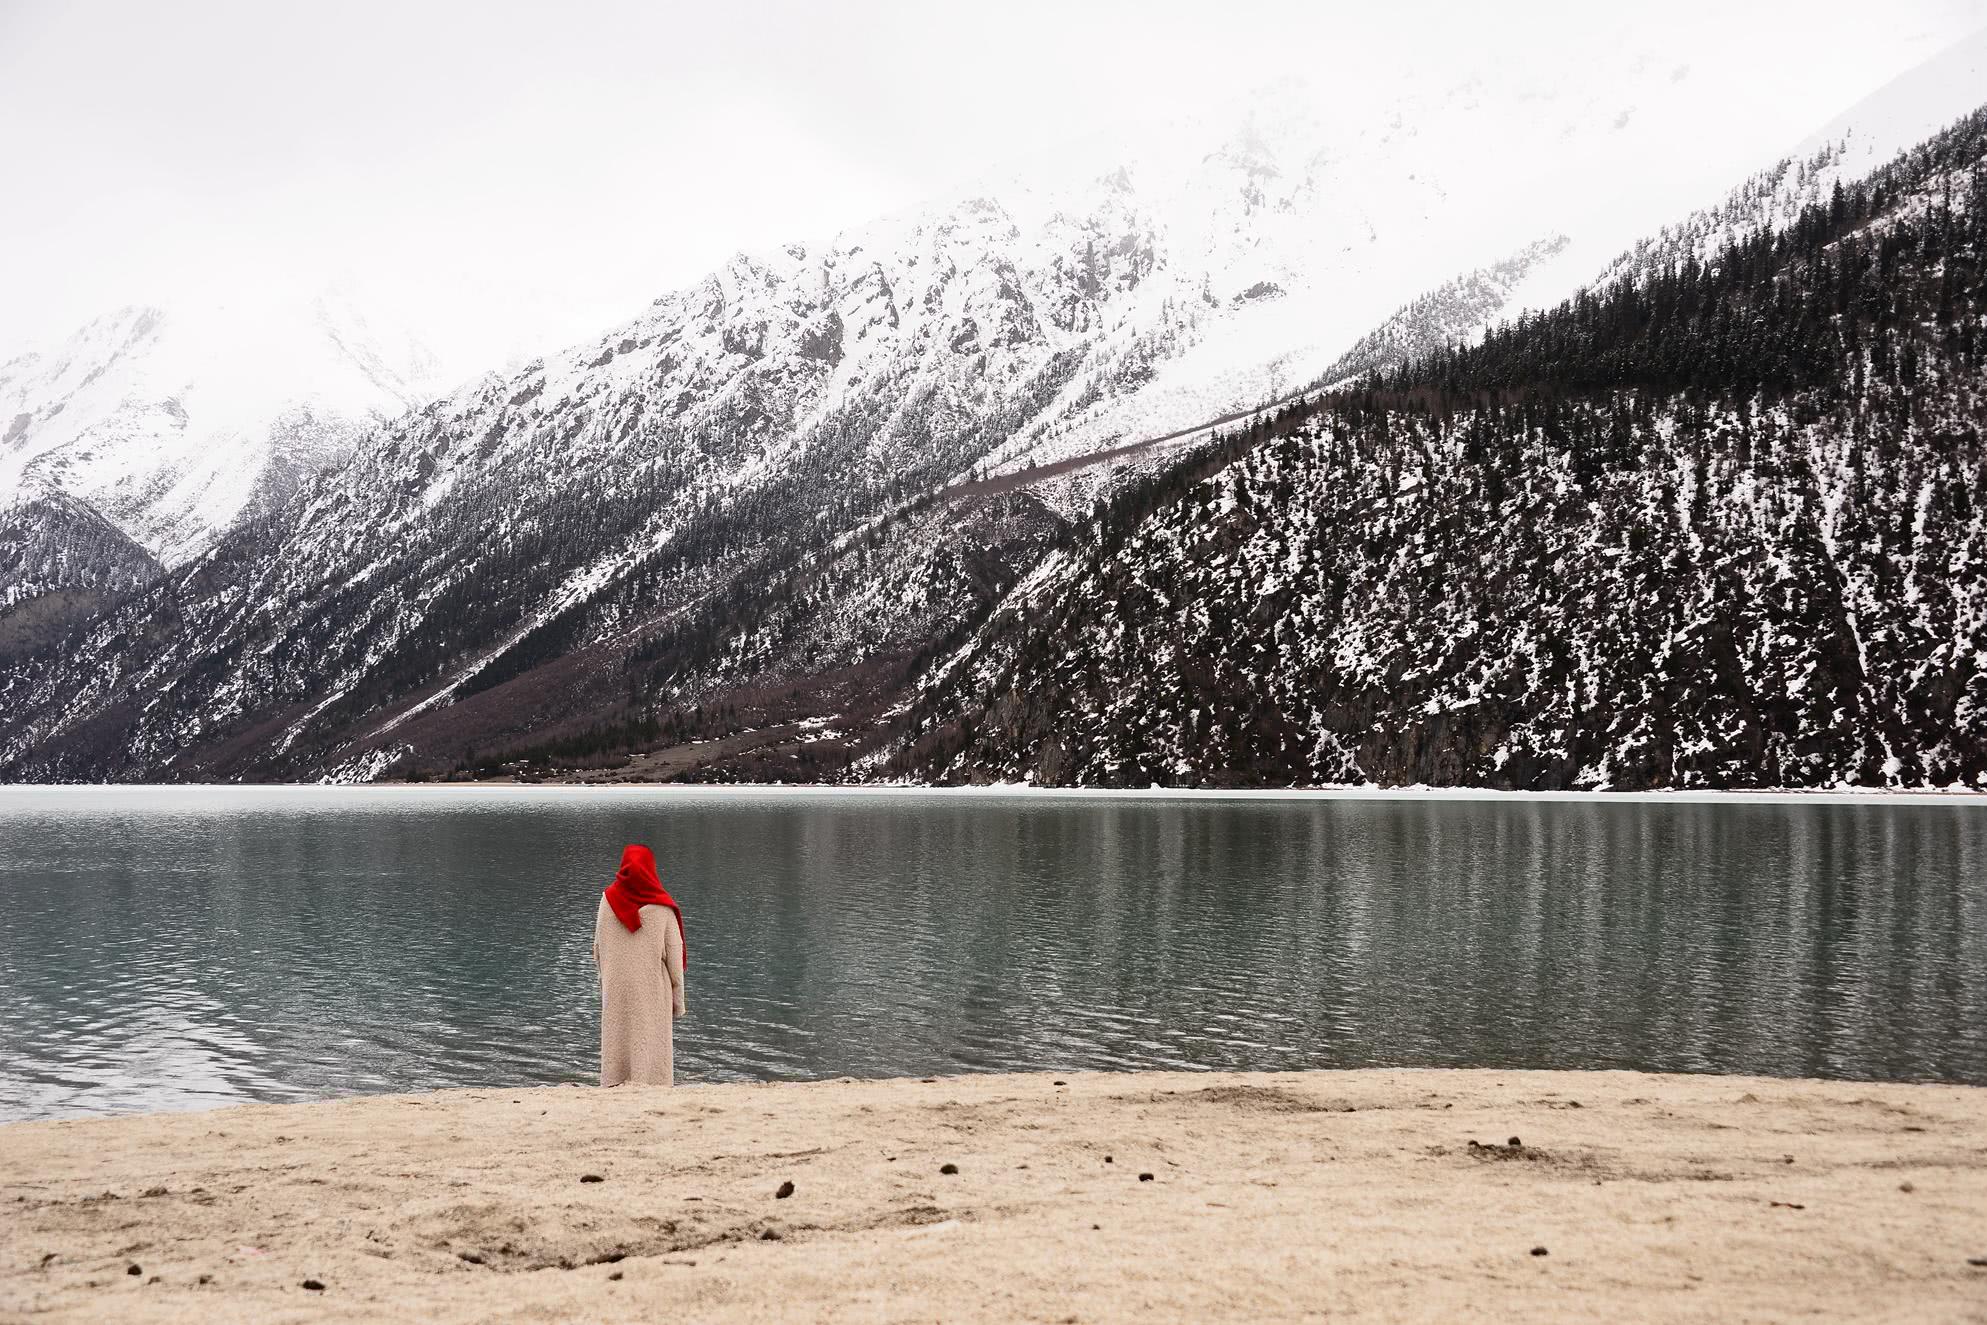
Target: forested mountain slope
1720	521
60	560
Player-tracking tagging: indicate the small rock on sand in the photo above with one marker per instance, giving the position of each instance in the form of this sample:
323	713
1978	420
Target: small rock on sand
948	1168
133	1269
313	1285
1538	1251
786	1190
591	1177
1145	1177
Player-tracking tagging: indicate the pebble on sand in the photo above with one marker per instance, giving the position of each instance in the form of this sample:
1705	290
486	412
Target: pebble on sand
1538	1251
313	1285
948	1168
133	1269
591	1177
786	1190
1145	1177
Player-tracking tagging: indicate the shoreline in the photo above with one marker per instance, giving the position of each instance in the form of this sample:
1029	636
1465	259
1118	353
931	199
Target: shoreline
1949	796
1393	1193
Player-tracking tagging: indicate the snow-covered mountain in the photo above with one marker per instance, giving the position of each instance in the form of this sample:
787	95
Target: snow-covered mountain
173	422
796	481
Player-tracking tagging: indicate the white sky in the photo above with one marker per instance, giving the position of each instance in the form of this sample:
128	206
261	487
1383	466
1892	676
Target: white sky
515	177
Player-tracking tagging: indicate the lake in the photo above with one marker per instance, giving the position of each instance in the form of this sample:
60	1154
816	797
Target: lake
182	948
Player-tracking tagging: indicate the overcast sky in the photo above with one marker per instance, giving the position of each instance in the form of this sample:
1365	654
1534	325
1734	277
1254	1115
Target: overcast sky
512	175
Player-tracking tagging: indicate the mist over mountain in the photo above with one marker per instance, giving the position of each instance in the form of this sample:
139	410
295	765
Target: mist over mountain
174	422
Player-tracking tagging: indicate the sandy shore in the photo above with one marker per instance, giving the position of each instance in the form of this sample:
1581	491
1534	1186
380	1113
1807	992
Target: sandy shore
1287	1196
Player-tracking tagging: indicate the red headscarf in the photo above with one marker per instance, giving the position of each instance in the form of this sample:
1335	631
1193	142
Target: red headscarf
636	886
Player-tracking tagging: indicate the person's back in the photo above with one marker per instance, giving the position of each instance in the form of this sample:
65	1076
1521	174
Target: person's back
641	974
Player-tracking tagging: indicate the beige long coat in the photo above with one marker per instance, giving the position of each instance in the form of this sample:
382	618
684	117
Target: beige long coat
641	995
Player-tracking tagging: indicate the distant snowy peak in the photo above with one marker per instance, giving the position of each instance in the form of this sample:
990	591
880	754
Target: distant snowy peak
1905	111
174	422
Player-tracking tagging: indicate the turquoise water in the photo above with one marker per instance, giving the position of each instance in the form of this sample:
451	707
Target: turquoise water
184	948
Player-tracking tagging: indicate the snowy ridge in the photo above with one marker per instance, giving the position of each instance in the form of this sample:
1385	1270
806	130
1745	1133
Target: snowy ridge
174	423
1542	274
1457	310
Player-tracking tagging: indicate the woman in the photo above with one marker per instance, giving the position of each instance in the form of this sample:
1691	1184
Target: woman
638	946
